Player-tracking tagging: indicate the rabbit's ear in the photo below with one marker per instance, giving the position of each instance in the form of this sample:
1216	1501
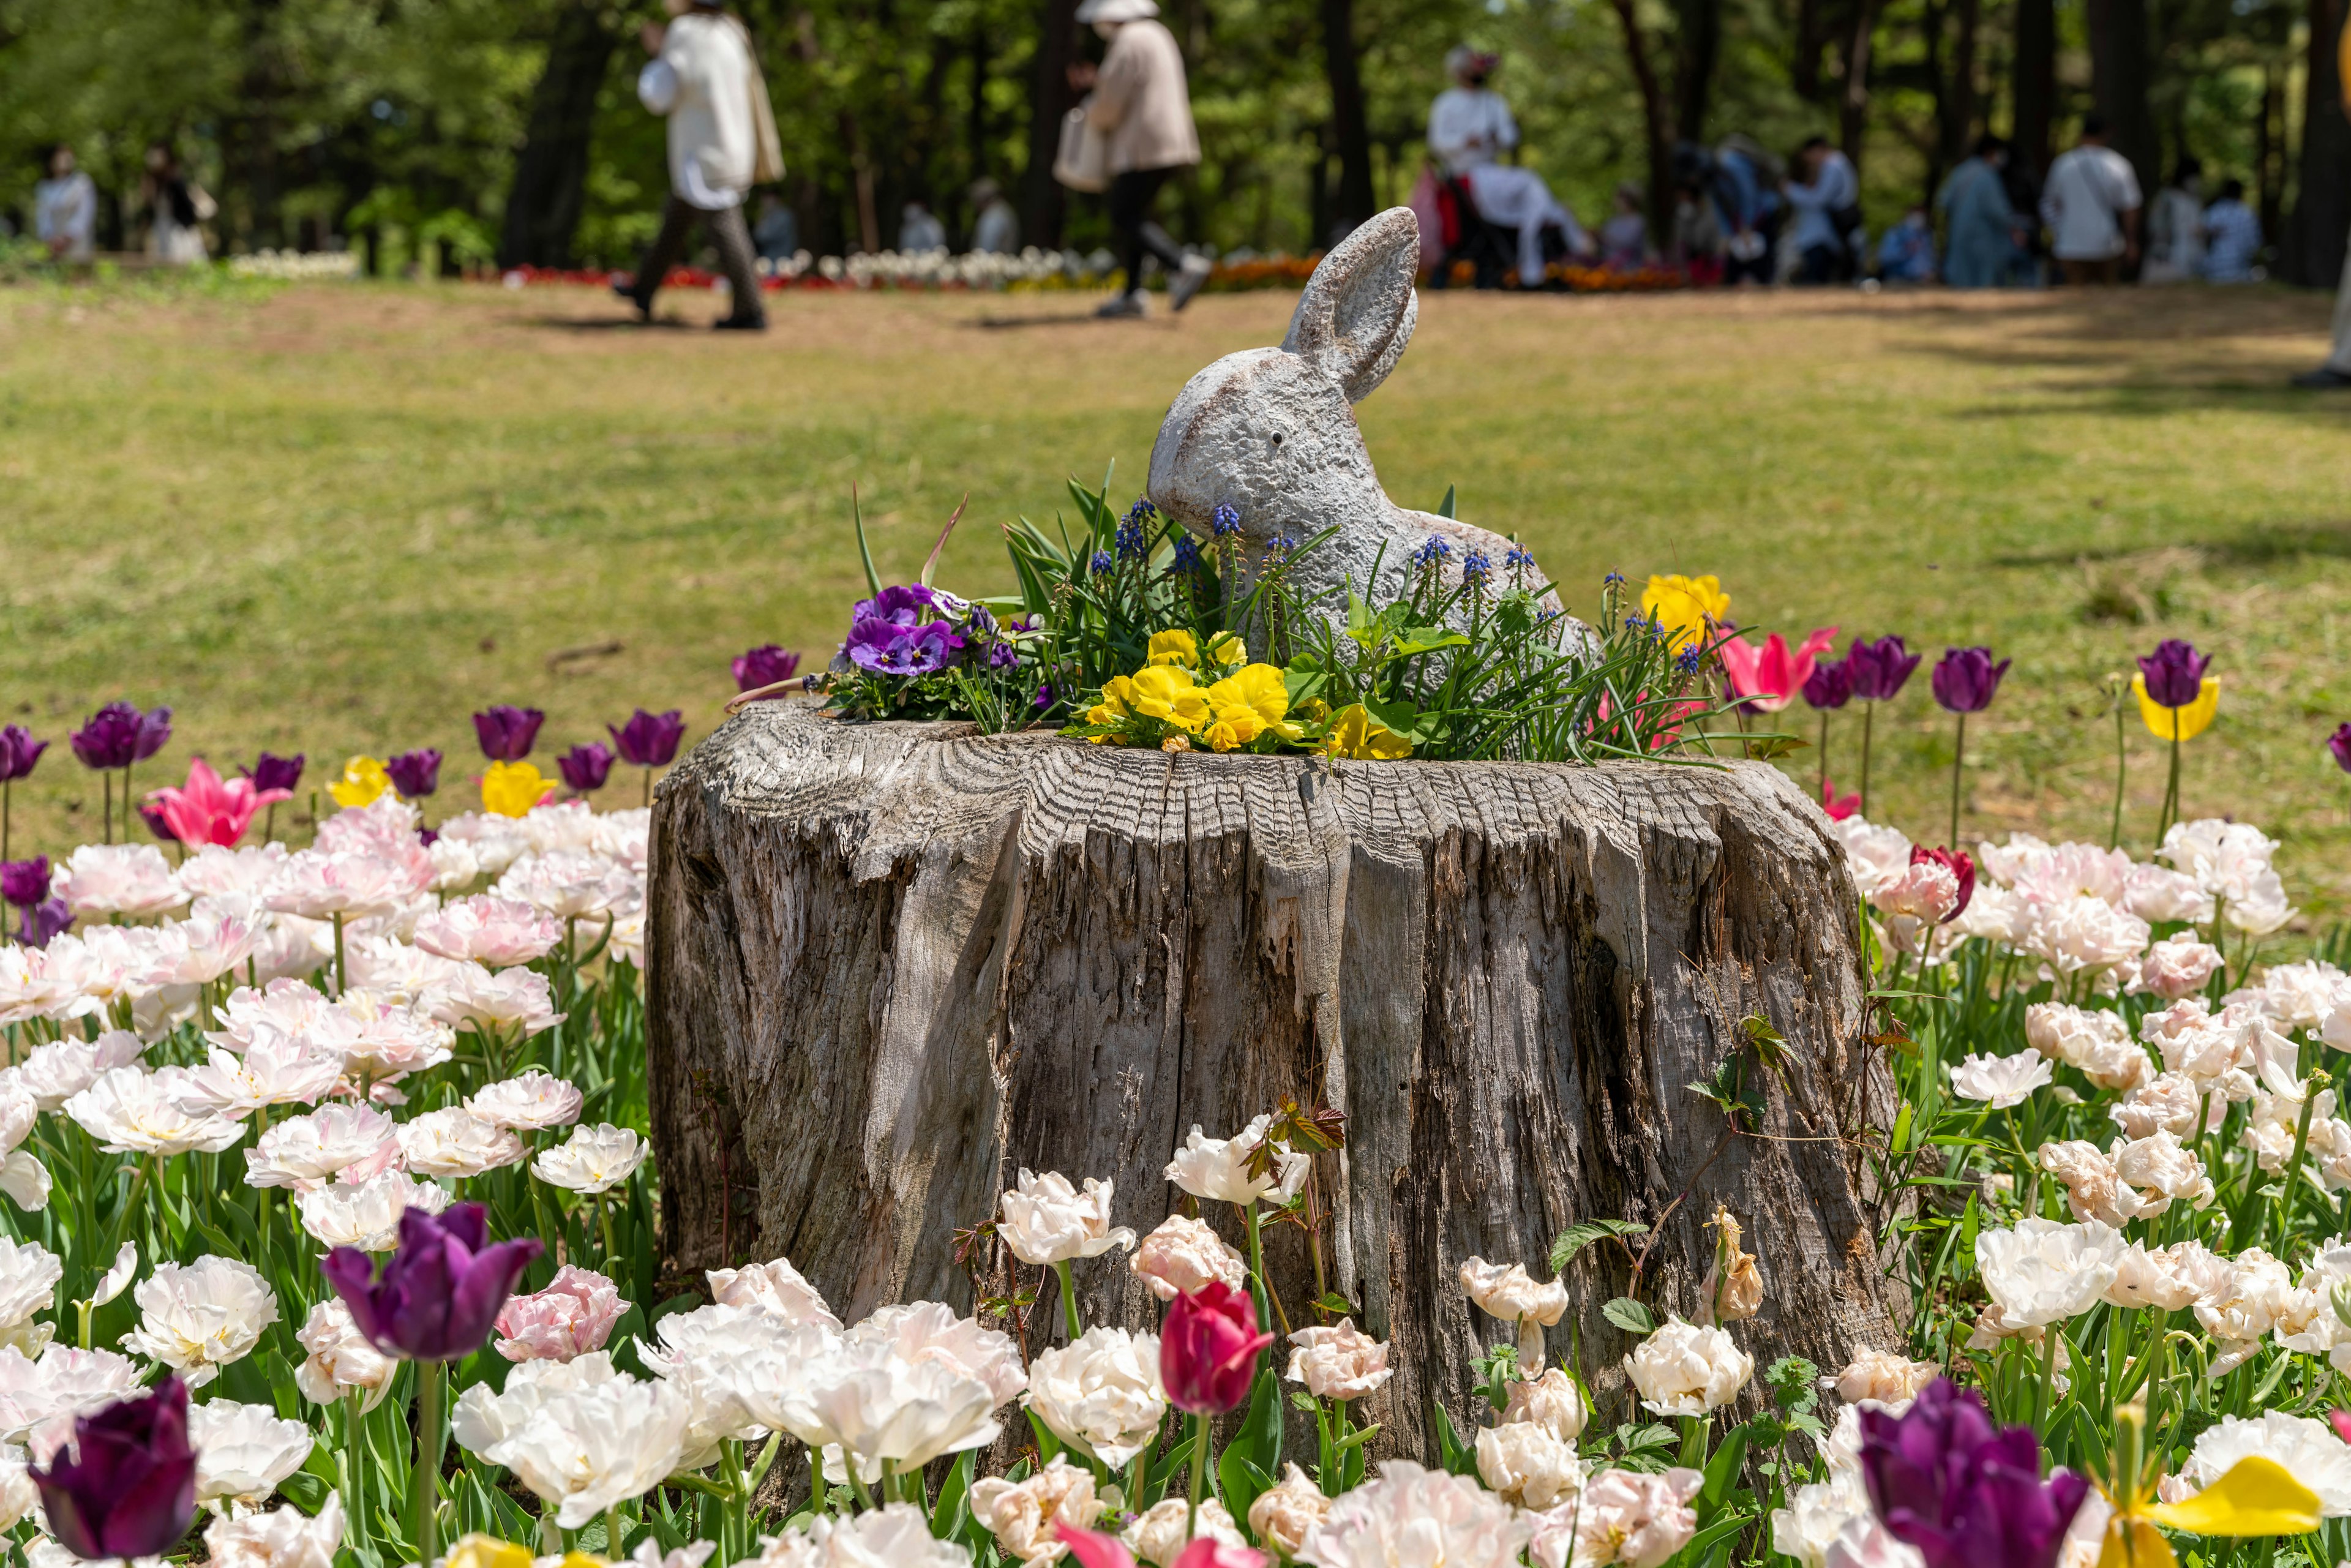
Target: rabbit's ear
1357	312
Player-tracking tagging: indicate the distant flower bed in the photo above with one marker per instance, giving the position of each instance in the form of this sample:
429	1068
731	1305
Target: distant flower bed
296	267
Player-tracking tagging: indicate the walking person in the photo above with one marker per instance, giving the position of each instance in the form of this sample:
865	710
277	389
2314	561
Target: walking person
722	141
1141	105
2336	371
64	210
177	209
1982	238
2092	207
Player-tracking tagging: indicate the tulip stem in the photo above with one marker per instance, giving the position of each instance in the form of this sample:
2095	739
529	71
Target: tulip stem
612	1532
1199	1474
2122	763
340	988
1069	1301
2050	1336
425	1485
1825	753
2171	790
1257	1273
1868	715
354	1446
1958	757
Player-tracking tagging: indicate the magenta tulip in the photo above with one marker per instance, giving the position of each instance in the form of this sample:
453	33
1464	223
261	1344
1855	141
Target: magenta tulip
210	810
1208	1349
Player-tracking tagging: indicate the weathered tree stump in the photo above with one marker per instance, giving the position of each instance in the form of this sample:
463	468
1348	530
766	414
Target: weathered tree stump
890	964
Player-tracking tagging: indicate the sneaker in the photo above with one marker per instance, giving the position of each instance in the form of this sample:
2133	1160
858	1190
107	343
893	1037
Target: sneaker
1133	305
1189	280
739	324
2324	377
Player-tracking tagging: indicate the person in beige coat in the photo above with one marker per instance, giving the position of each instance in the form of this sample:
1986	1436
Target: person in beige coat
1142	108
705	80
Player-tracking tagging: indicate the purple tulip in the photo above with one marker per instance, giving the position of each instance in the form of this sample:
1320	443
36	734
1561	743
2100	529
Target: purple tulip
764	666
1943	1480
25	883
1880	669
18	752
45	922
414	774
126	1486
648	739
153	815
900	606
1829	685
2339	742
439	1296
1965	679
508	733
585	767
2175	673
271	771
119	735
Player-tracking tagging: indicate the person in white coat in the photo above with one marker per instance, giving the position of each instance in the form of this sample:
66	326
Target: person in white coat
722	141
1470	130
64	210
1141	106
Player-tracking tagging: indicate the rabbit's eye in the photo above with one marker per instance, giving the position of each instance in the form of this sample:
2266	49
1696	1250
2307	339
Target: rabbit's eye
1277	440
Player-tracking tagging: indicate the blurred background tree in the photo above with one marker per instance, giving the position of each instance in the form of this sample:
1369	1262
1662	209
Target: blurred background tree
444	133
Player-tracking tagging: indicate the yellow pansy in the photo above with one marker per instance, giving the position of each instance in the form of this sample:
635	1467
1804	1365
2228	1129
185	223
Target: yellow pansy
362	784
1683	605
479	1551
1260	691
512	788
2190	721
1228	649
1356	734
1175	648
1168	693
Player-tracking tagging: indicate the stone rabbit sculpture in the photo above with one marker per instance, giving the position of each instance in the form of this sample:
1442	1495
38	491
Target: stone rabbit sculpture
1270	433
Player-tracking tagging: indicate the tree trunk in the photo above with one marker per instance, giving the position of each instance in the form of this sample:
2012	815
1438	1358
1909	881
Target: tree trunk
2119	83
1349	125
1049	99
1657	124
889	964
1698	45
2035	87
1959	102
1852	107
2322	209
550	181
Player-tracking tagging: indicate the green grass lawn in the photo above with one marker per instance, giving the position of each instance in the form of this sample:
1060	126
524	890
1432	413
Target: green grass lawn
341	517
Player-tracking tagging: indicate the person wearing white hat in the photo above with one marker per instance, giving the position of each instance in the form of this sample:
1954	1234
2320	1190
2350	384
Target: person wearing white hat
1470	130
704	78
1141	106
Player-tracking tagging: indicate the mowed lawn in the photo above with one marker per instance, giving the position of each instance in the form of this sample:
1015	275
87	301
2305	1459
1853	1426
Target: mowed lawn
335	519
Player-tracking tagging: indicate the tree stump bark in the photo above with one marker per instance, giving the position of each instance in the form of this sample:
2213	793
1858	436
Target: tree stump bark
891	964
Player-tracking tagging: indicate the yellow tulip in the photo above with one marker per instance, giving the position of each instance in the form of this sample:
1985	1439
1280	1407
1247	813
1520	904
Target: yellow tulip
1683	605
362	784
1356	734
2256	1497
1175	648
2190	722
512	788
478	1551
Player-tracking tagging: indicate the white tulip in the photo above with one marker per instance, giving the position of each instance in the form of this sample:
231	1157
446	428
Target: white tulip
1100	1392
19	1498
339	1360
1216	1169
593	1159
1023	1516
2042	1271
1883	1378
56	1072
134	1112
303	1150
1624	1516
715	1355
30	1273
586	1449
118	1276
1046	1220
1512	1295
1683	1369
1283	1516
1808	1526
775	1288
243	1451
199	1317
118	879
1183	1255
456	1142
1552	1401
483	1416
528	1101
1408	1515
2000	1081
882	1407
281	1538
2306	1449
1527	1465
366	1214
1340	1362
894	1535
1157	1535
276	1069
930	1330
39	1399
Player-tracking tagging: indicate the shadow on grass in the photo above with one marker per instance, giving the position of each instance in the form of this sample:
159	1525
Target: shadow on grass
612	324
2126	397
2263	544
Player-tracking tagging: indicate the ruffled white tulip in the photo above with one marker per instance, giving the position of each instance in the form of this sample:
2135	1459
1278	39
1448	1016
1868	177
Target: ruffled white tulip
1623	1516
514	1000
339	1360
1683	1369
196	1318
930	1330
1527	1465
2042	1271
1217	1168
367	1216
1512	1295
215	871
1340	1362
593	1159
56	1072
497	932
2000	1081
303	1150
882	1407
39	1398
2307	1450
133	880
276	1070
1552	1401
1408	1515
456	1142
1157	1535
1884	1379
1023	1516
1283	1516
1183	1255
723	1359
775	1288
1100	1392
1046	1220
894	1535
281	1538
30	1273
1808	1528
529	1102
243	1451
134	1112
588	1448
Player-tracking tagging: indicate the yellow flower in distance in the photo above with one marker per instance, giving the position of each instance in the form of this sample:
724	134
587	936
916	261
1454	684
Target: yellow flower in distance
1259	691
1168	693
1358	735
1175	648
478	1551
1683	605
512	788
363	783
2190	721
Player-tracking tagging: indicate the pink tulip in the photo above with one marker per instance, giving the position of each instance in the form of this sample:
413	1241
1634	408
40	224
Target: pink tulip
210	810
1838	807
573	1316
1092	1549
1768	678
1208	1349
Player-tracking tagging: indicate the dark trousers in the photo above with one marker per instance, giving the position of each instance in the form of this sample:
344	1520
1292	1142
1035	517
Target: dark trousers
1131	195
727	232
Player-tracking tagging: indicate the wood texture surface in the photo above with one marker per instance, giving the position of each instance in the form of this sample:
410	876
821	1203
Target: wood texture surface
891	964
